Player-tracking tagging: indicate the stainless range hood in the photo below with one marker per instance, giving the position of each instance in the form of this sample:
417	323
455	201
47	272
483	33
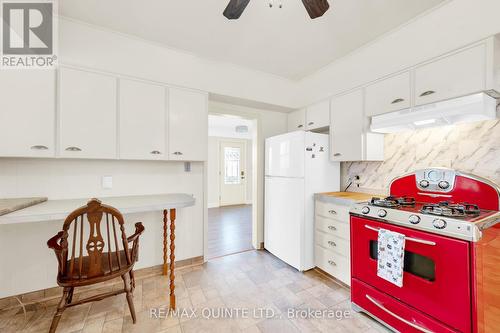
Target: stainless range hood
458	110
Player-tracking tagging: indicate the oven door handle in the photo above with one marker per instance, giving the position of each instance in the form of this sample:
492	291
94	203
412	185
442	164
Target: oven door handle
416	240
421	329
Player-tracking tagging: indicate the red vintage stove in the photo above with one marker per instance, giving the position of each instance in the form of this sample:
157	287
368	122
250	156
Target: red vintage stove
451	279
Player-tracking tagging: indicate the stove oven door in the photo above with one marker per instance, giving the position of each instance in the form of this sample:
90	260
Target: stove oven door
436	279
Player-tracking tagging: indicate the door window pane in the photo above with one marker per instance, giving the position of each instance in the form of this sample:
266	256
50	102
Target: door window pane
231	165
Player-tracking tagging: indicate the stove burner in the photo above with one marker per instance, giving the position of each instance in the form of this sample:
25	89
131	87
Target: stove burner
451	210
393	202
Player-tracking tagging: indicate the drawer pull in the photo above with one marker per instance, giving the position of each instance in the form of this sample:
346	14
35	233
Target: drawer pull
331	262
300	126
427	93
331	211
411	239
380	306
155	152
337	154
397	100
39	147
310	123
177	153
332	243
331	227
73	149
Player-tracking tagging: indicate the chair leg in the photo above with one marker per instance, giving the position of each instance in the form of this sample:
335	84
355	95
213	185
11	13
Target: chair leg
132	281
60	309
130	300
70	295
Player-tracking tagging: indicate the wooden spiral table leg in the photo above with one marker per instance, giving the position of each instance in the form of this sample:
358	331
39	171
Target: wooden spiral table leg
165	249
172	258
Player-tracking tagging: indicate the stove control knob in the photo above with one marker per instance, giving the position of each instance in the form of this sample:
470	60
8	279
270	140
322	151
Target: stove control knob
382	213
365	210
414	219
443	184
424	183
439	224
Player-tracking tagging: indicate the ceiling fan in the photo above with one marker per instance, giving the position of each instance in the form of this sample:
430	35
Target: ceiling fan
315	8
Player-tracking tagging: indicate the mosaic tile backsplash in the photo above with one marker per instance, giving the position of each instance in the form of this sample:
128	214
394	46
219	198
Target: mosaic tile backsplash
472	148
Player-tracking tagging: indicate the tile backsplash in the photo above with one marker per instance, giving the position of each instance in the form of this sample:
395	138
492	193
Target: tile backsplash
472	148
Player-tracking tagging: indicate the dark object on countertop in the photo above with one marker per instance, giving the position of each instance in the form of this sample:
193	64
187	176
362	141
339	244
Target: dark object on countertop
78	270
10	205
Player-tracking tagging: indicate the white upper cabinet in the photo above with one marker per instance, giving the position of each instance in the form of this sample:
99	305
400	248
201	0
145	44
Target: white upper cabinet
87	114
318	115
389	94
142	120
188	125
27	113
297	120
455	75
349	136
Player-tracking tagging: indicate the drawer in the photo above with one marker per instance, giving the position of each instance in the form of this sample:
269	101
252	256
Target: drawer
333	263
333	243
393	312
333	211
333	227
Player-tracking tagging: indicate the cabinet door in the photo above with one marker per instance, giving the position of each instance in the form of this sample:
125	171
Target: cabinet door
388	95
318	115
297	120
188	125
142	120
456	75
87	114
346	127
27	113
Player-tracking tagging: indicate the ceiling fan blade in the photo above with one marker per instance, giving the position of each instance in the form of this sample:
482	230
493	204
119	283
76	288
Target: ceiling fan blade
316	8
235	8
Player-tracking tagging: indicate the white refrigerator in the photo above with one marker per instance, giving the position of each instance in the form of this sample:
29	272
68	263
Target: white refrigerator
297	166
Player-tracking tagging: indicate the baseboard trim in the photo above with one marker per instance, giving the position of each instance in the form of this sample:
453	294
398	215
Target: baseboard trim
212	205
52	295
330	277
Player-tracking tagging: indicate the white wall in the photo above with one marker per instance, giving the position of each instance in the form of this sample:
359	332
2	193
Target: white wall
213	169
90	46
453	25
61	179
268	124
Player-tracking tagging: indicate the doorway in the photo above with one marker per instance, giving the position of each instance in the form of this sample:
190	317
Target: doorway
230	185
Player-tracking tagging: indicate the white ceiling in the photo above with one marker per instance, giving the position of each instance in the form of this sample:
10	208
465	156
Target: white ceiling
225	126
285	42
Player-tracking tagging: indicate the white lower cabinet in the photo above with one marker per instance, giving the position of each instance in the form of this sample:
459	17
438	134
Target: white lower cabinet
87	114
332	240
142	121
27	113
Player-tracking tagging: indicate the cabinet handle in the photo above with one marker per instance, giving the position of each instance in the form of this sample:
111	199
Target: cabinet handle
331	262
332	243
310	123
73	149
331	227
427	93
39	147
177	153
337	154
332	212
155	152
300	126
397	100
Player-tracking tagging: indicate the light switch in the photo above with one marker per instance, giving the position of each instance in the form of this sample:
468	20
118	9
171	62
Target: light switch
107	182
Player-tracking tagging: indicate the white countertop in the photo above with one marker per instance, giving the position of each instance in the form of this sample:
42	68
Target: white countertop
59	209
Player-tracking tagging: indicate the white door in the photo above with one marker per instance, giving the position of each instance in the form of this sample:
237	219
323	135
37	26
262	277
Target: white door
388	95
318	115
88	113
27	113
285	155
188	125
232	173
142	121
297	120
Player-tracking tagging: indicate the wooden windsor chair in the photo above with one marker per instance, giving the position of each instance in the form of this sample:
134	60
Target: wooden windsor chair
105	260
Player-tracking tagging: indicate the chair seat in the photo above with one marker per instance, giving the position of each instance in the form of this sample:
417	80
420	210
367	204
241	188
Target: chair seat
109	272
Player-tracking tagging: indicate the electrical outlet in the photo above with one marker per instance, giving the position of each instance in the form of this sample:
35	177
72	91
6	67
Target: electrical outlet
107	182
357	180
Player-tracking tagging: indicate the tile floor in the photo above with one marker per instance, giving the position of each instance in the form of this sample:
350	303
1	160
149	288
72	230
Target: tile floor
242	282
229	230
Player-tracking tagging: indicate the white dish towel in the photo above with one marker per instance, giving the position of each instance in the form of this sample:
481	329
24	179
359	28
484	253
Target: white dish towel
391	251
